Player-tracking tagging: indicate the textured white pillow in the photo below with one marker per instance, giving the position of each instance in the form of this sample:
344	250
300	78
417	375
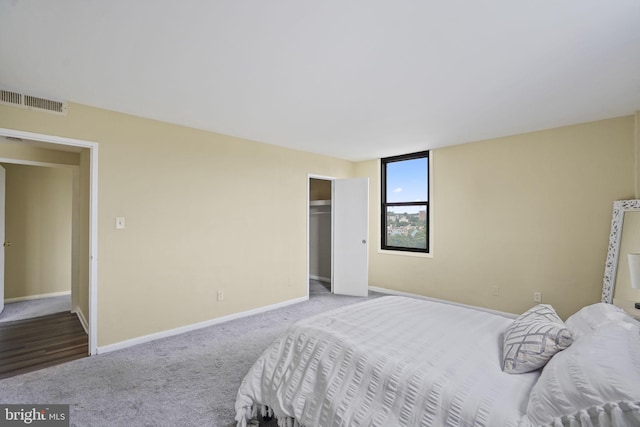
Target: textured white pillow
596	315
533	338
595	382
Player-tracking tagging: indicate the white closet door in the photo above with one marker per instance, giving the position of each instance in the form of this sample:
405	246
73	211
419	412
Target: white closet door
350	236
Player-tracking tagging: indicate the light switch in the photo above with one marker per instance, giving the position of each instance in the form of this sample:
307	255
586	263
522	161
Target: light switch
120	223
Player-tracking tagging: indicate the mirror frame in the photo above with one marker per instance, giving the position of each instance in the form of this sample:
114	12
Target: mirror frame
615	237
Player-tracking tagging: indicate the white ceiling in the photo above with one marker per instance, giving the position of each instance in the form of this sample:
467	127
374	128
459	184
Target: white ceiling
355	79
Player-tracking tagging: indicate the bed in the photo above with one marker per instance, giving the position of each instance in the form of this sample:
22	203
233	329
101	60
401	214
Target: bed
398	361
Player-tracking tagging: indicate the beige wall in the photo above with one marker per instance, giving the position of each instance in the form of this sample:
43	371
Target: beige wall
81	231
38	224
525	213
208	212
623	294
25	152
637	154
204	212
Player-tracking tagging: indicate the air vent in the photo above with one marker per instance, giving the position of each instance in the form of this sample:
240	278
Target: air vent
44	104
23	100
8	97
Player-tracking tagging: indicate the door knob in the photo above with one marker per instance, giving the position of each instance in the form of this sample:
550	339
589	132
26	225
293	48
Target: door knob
6	244
364	242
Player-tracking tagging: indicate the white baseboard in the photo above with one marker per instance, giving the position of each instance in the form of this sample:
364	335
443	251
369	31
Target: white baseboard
82	320
31	297
320	278
171	332
406	294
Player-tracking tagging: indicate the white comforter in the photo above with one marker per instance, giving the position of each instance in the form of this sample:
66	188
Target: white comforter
391	361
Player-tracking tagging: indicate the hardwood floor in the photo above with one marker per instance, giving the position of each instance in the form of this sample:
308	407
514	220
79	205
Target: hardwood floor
32	344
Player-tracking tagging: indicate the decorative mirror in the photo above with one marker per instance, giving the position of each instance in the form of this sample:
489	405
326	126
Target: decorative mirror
625	235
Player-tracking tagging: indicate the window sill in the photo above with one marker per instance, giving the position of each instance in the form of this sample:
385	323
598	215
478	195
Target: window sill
403	253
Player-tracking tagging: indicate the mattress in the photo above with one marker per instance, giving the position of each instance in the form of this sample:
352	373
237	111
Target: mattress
391	361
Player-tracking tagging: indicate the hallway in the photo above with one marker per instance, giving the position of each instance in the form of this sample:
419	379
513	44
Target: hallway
32	344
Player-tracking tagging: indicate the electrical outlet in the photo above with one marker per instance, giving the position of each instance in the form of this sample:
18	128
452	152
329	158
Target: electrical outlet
537	297
220	295
495	291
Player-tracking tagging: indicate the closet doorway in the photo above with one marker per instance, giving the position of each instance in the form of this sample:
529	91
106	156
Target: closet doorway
320	235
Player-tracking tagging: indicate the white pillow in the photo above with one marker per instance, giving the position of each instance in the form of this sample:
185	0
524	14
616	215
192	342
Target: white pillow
533	338
594	382
596	315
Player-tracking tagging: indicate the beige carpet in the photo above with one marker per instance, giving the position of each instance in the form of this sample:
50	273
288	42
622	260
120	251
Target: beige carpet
35	308
185	380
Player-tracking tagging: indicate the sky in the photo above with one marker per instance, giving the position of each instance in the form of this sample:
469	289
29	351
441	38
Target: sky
407	182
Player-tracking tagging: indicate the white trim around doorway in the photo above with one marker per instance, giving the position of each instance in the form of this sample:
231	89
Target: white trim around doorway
93	218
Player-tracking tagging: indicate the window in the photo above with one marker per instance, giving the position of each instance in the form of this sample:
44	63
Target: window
405	202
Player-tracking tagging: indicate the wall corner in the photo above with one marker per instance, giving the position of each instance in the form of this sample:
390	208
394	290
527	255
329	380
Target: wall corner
636	145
